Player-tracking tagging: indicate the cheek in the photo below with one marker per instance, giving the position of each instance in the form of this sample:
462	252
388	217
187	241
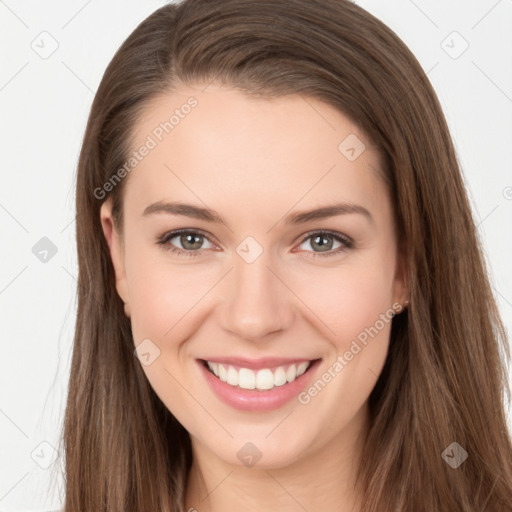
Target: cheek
165	303
340	300
354	308
167	299
346	300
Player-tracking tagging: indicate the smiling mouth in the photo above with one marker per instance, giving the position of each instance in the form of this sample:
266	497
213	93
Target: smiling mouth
263	379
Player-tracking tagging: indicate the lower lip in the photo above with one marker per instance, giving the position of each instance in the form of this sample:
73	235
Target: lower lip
254	400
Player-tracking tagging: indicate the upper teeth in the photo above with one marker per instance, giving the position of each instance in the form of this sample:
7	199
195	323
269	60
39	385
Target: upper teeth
260	379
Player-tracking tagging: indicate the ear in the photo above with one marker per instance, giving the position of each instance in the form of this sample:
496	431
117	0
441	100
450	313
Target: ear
116	248
401	288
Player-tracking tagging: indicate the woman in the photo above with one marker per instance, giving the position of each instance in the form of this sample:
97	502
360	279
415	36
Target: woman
282	299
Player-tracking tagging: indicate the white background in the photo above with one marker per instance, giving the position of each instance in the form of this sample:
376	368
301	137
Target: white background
45	103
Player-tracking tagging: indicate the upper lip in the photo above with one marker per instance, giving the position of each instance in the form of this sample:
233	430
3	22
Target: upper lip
259	363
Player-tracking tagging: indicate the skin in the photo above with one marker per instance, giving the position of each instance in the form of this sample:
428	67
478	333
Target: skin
255	161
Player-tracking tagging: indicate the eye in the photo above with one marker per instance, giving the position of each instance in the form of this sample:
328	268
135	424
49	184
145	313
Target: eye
191	242
324	241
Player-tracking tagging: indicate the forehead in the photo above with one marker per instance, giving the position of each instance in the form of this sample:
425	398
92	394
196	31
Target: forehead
215	144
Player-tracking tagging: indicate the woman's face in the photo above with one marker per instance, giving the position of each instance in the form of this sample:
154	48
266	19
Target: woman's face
256	284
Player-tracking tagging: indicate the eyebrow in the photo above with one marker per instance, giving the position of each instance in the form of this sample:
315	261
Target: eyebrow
295	218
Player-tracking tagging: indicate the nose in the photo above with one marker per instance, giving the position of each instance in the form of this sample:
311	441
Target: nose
257	302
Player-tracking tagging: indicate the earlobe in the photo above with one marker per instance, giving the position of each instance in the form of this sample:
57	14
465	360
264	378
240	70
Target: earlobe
115	246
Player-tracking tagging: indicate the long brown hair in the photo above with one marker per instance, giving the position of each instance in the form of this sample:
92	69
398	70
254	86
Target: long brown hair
445	379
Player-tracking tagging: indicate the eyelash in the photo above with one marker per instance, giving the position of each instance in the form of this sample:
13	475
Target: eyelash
166	237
